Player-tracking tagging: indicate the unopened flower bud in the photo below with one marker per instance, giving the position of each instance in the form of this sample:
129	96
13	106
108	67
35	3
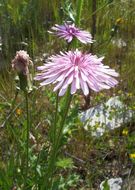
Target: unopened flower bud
21	64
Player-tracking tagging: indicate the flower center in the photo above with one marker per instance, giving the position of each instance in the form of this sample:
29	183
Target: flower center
76	61
71	30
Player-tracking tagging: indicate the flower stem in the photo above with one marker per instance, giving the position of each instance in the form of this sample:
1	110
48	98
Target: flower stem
55	118
94	19
78	18
28	132
56	144
78	12
64	115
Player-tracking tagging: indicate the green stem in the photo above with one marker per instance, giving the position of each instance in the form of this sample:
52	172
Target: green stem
94	18
56	146
64	115
55	118
79	11
78	18
28	133
51	168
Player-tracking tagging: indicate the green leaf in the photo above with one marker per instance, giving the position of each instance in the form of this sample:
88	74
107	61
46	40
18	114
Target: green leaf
65	163
106	186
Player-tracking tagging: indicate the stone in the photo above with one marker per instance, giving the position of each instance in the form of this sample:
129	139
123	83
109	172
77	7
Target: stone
113	184
106	116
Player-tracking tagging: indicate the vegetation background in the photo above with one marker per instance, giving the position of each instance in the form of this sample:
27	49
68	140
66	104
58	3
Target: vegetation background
86	160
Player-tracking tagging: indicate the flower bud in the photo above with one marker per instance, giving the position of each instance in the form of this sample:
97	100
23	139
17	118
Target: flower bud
21	64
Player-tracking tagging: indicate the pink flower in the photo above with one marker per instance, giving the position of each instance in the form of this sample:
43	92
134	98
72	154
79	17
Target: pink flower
21	62
81	71
69	31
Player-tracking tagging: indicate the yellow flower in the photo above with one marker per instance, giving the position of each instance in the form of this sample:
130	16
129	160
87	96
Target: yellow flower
125	132
132	156
18	111
119	20
130	95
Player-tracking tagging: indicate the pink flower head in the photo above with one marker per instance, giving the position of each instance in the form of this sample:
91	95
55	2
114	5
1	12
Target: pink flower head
21	62
81	71
69	31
